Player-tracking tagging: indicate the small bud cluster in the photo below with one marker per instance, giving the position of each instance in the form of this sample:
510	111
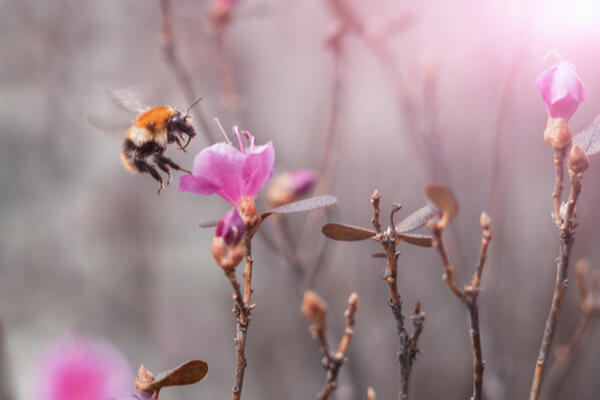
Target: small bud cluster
228	246
314	308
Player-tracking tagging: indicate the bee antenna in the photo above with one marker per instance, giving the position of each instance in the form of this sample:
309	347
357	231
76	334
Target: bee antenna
193	104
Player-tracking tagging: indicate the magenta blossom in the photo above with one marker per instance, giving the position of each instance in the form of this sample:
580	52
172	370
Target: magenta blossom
230	172
561	90
78	368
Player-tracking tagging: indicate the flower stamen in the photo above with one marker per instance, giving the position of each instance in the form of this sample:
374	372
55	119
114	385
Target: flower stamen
250	138
223	131
236	133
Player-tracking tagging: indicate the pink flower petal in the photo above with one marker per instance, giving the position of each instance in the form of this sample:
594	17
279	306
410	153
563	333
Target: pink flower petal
217	169
561	90
78	368
257	169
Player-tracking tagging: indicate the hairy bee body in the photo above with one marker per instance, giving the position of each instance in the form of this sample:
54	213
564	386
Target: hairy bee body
148	137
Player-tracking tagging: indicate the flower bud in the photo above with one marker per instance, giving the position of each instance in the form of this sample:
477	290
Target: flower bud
289	186
228	247
561	90
578	160
247	210
557	133
220	11
314	307
485	221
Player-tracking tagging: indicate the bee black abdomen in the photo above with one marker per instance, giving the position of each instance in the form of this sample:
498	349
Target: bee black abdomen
132	155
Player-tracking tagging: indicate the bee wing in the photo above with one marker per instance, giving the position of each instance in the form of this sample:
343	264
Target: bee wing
127	99
106	126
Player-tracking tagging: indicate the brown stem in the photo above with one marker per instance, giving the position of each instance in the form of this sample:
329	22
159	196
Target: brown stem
469	297
333	362
375	200
248	263
182	76
242	312
478	363
559	157
560	286
448	268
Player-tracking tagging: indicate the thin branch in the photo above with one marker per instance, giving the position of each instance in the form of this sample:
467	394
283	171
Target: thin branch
408	344
182	76
568	355
468	296
333	362
566	232
559	157
242	311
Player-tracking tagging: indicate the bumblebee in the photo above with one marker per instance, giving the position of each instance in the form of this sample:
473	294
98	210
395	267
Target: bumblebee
148	137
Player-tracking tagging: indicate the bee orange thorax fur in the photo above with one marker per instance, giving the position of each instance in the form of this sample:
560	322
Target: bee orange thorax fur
158	116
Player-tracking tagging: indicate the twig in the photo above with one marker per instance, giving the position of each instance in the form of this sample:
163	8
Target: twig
566	232
331	362
567	355
559	158
468	296
182	76
408	344
242	311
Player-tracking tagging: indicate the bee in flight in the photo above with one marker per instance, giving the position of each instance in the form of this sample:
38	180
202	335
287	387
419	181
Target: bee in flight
148	137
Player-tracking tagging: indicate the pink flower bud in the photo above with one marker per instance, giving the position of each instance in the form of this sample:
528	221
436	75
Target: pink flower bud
228	248
561	90
231	228
289	186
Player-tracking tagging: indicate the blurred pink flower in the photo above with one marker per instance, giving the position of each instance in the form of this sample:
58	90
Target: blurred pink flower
78	368
229	172
288	186
561	90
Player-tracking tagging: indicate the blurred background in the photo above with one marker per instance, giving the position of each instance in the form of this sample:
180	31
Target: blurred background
446	94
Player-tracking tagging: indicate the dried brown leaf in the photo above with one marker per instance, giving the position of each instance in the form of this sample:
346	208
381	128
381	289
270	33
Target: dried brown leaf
184	374
310	204
416	239
589	138
416	220
346	233
379	255
208	224
444	199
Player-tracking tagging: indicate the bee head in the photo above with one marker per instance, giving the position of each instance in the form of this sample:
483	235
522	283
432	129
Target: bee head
183	123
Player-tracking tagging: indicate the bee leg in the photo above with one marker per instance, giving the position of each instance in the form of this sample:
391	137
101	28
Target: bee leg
143	166
187	143
180	146
165	168
170	163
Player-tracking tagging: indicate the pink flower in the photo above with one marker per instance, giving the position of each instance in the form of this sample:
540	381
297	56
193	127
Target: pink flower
78	368
229	172
561	90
